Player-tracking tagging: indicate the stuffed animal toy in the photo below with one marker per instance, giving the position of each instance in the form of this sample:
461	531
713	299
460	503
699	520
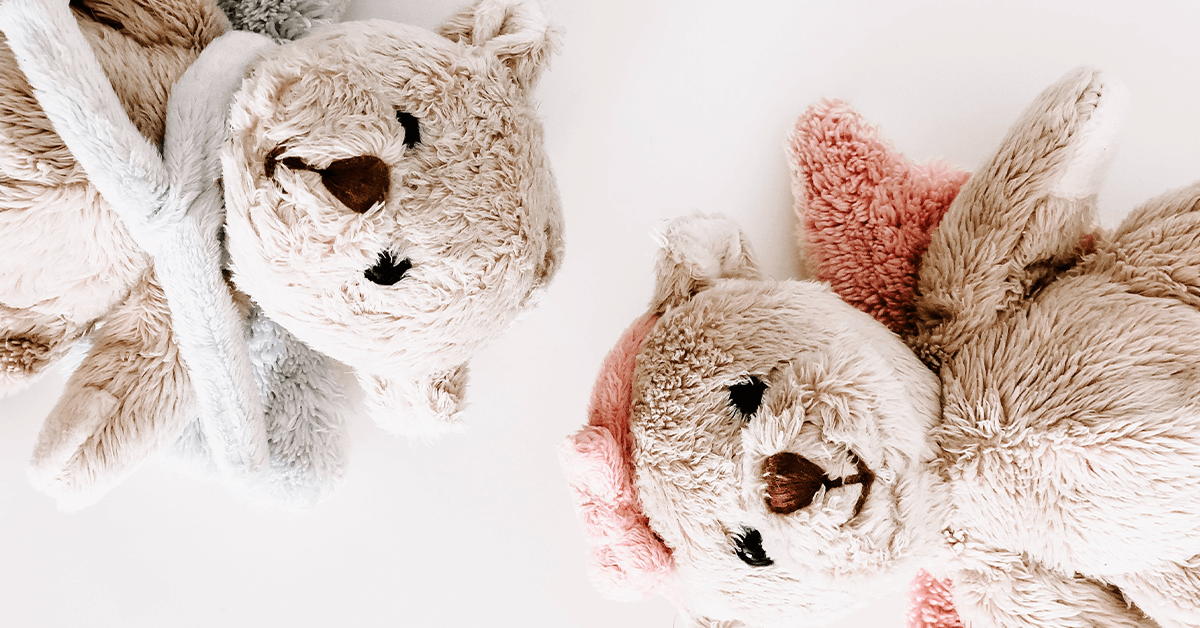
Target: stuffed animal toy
69	269
104	425
397	245
763	453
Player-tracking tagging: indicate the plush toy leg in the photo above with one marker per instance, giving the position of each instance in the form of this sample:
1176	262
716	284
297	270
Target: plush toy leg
305	413
129	397
423	407
1021	217
28	344
1171	596
1002	590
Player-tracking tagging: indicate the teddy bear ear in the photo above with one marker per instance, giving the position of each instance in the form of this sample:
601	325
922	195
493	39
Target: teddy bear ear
866	211
516	31
696	252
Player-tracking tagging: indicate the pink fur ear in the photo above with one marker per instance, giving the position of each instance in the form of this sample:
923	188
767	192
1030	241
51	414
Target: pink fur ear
931	603
627	559
866	212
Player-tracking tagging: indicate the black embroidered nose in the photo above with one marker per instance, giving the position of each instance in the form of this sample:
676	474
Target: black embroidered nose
387	270
358	182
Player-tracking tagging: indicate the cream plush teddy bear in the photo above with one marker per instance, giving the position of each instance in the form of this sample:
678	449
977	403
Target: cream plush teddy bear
765	455
387	206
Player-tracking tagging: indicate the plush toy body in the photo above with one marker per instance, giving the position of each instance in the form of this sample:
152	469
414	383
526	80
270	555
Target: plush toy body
68	265
387	201
790	455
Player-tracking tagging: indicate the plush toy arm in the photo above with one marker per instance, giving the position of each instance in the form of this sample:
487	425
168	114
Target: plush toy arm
210	328
305	414
74	91
127	399
1023	216
1001	589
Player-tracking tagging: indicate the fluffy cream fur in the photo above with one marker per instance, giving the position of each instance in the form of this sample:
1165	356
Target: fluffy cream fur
69	264
472	206
271	409
1045	456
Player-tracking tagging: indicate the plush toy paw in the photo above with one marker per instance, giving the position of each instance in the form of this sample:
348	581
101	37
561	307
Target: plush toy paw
423	408
129	398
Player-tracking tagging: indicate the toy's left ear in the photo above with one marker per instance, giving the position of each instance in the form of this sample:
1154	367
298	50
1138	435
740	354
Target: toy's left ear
696	252
516	31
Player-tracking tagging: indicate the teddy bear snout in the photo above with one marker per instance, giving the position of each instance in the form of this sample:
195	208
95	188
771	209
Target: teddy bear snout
388	269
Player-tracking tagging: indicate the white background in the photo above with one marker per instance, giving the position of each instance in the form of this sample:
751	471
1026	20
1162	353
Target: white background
653	108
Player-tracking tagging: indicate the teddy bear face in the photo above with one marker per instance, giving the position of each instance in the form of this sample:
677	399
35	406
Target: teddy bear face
389	200
777	438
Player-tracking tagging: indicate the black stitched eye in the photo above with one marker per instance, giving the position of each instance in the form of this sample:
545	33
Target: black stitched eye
412	129
387	270
747	544
747	396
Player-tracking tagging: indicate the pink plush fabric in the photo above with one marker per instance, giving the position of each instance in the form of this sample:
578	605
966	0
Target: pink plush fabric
931	603
866	216
627	560
866	212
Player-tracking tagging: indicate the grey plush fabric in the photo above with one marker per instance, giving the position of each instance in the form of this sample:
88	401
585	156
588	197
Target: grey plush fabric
282	19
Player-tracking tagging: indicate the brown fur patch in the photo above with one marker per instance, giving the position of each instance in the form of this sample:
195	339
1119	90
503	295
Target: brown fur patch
24	355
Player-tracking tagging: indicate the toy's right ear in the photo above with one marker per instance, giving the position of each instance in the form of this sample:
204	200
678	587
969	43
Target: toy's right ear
696	252
516	31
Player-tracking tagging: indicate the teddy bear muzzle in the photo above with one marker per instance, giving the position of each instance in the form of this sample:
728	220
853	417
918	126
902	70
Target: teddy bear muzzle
792	481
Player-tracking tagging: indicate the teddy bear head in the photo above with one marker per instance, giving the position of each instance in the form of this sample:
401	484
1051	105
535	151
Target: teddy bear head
765	462
389	200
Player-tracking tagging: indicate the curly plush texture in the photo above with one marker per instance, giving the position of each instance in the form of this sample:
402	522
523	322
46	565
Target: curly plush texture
932	603
866	215
866	212
282	19
627	559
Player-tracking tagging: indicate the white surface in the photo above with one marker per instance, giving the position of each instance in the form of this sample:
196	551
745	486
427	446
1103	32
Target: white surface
653	108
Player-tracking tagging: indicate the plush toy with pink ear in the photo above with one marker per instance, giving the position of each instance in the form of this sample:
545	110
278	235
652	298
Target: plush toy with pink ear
761	452
866	215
